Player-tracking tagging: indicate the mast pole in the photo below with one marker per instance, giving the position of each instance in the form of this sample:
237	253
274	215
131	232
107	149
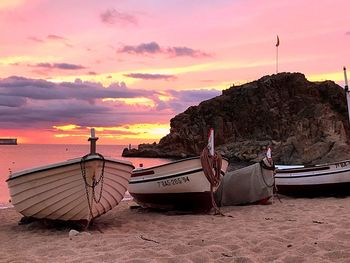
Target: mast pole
347	91
276	59
92	141
277	45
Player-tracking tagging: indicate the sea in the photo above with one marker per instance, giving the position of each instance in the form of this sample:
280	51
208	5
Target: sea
15	158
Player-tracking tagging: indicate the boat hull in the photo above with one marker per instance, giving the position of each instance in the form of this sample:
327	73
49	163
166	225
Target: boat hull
320	180
59	191
179	185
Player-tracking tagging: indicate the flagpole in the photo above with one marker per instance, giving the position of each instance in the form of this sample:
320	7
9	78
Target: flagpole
277	45
276	59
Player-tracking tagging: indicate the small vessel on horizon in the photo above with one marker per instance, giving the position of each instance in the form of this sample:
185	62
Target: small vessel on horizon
8	141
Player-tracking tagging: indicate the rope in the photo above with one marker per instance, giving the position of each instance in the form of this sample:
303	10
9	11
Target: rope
212	167
94	183
271	168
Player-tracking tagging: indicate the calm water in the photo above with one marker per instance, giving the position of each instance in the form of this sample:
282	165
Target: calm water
14	158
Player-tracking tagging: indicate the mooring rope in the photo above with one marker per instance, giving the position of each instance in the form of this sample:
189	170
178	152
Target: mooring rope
263	166
273	169
212	168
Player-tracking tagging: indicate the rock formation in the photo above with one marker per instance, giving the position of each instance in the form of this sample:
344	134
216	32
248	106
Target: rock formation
304	123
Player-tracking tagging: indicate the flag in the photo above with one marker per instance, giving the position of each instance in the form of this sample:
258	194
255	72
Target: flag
278	41
269	155
211	142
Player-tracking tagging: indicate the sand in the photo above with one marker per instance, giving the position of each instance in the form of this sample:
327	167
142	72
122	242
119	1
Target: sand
296	230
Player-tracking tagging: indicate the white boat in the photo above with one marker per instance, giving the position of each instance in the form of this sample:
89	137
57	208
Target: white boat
182	184
176	185
318	180
80	189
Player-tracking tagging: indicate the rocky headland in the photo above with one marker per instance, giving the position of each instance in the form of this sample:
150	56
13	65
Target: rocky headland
303	122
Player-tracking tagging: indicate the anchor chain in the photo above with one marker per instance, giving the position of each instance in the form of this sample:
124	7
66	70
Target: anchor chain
94	183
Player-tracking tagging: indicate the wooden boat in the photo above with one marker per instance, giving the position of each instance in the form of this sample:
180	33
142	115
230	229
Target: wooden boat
176	185
319	180
187	184
79	189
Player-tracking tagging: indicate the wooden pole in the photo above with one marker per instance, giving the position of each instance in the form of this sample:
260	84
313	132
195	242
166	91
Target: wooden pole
92	141
276	59
277	45
347	91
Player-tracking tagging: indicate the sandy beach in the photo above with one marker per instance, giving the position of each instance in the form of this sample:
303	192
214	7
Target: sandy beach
294	230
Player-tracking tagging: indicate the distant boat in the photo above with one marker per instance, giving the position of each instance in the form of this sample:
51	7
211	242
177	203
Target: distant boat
180	185
80	189
318	180
9	141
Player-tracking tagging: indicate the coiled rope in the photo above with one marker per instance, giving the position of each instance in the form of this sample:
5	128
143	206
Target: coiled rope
94	183
212	168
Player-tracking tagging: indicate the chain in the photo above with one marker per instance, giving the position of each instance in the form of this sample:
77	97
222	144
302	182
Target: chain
94	182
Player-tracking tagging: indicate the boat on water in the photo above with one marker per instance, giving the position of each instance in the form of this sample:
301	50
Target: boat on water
80	189
8	141
179	185
318	180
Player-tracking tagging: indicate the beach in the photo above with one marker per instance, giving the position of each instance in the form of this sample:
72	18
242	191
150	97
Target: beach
293	230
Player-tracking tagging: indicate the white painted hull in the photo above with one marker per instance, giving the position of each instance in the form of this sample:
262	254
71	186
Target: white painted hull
172	185
319	179
59	192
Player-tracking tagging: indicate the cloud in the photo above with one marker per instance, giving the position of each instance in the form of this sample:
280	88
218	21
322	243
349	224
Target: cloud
35	39
11	101
144	48
112	17
186	51
51	37
66	66
55	37
44	90
146	76
35	103
154	48
186	98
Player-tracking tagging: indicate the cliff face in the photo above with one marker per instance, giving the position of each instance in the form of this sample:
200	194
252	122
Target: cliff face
304	122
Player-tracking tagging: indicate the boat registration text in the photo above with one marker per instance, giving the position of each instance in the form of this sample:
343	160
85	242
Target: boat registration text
174	181
342	164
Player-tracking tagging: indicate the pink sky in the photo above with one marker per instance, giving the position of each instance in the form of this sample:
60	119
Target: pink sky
128	67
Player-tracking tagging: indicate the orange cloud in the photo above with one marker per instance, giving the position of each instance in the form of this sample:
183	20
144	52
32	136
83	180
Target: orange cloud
68	127
8	4
133	101
134	133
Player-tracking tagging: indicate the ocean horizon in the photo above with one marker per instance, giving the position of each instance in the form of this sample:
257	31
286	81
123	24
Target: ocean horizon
15	158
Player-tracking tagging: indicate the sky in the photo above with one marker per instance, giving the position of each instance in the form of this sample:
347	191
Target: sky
126	67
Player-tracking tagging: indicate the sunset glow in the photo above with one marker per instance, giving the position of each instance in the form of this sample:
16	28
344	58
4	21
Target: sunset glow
128	67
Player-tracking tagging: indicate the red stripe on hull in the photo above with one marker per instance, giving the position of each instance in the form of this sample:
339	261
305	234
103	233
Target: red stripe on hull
198	201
